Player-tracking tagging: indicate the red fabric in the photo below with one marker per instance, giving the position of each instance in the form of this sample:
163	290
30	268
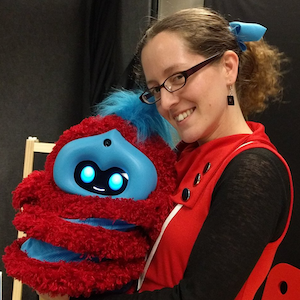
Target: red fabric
168	266
282	283
44	206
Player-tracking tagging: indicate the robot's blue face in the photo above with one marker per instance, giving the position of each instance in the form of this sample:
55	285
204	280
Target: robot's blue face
104	165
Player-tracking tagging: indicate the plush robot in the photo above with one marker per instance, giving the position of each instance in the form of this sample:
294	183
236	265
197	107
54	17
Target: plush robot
93	213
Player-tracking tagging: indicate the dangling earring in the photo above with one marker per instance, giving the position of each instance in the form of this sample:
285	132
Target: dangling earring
230	98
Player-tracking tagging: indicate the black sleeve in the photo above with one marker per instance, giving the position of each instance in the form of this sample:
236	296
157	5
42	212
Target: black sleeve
249	209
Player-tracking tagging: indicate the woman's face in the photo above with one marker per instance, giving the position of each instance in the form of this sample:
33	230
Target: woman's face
198	111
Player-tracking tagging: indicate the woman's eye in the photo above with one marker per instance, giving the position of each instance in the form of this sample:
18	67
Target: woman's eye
155	90
177	78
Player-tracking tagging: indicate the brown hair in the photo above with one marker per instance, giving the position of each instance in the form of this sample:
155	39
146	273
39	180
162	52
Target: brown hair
207	33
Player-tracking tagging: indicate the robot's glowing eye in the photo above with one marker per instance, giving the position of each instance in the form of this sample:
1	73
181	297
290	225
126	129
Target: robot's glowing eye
87	174
115	181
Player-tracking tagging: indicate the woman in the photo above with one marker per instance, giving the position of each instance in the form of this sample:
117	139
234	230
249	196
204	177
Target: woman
234	192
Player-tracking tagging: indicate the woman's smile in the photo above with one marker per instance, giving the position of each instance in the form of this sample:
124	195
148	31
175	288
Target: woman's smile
184	115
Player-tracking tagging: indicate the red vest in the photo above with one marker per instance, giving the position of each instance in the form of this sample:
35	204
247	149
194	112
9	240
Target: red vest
209	160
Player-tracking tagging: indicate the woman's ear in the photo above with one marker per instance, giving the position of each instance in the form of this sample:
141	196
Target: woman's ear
231	65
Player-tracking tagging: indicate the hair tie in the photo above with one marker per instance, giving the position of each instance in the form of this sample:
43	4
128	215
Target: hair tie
246	32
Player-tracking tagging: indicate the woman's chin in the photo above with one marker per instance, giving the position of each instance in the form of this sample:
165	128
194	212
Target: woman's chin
189	139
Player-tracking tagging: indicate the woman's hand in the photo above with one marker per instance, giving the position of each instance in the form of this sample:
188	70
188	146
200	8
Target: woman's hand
48	297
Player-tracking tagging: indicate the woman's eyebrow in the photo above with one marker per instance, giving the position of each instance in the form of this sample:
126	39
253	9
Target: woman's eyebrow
177	68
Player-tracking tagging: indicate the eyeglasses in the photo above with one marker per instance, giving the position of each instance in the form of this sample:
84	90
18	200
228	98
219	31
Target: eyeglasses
175	82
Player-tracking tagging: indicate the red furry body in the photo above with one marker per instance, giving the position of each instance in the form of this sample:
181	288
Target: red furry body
45	207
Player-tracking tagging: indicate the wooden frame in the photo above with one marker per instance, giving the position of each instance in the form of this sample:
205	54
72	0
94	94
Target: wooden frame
32	146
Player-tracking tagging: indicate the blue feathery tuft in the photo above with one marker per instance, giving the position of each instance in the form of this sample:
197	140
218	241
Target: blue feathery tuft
127	105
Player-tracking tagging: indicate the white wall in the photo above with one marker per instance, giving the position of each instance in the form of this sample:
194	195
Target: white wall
166	7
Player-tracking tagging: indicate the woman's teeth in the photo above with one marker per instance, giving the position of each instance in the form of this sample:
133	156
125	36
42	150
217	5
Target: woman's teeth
183	115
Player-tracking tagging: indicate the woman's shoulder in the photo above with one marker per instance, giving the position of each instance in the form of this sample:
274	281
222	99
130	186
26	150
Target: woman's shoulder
261	159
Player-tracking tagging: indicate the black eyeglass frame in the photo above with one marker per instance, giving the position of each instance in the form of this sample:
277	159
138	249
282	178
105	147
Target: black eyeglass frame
186	74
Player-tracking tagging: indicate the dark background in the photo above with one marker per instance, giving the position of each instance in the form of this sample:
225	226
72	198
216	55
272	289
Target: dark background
59	57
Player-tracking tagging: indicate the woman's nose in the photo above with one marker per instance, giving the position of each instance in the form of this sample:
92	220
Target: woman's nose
167	99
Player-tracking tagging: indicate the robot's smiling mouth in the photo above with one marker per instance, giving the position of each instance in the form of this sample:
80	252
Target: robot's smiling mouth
46	252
